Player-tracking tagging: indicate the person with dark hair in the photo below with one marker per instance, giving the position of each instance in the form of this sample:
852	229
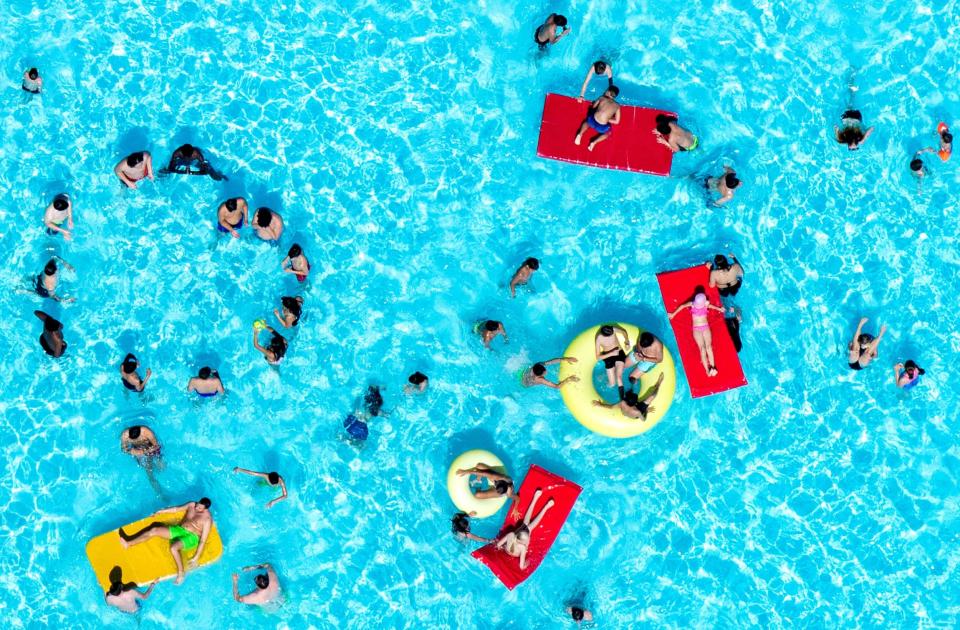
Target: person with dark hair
537	374
630	404
268	224
126	597
416	383
499	485
522	275
460	524
602	115
59	211
190	533
46	283
231	216
728	278
32	82
488	330
292	309
275	350
946	143
907	375
142	444
610	345
579	614
646	354
725	185
373	401
51	339
128	374
272	478
918	170
268	586
863	347
851	132
206	383
134	167
551	31
673	136
298	263
189	160
599	68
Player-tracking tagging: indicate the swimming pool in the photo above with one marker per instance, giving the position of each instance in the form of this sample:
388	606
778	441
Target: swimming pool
398	140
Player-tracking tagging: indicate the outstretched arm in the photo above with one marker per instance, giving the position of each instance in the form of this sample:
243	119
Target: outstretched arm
856	335
586	82
175	508
252	473
236	588
866	135
680	308
256	342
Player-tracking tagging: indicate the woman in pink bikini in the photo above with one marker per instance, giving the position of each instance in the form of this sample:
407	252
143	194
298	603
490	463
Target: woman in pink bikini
699	309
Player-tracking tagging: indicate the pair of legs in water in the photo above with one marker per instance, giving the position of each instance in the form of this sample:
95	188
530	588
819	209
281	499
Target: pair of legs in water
517	541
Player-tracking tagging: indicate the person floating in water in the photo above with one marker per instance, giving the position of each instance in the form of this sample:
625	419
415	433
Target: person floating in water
460	523
728	278
59	211
125	597
646	355
292	309
206	383
268	586
190	533
863	347
631	406
32	82
551	31
673	136
516	542
296	263
231	215
134	167
46	283
51	340
189	160
918	170
700	307
536	375
355	424
416	383
907	375
142	444
523	274
851	131
274	351
602	115
128	374
599	68
724	185
946	143
609	345
272	478
579	614
268	224
488	331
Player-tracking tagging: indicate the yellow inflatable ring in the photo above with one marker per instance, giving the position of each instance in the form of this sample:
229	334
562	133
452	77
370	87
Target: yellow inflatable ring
579	396
459	485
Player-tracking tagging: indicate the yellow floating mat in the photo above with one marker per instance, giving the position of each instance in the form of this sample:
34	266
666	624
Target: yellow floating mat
147	561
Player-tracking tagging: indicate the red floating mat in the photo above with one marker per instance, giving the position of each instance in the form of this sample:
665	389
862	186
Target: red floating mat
678	287
630	147
564	494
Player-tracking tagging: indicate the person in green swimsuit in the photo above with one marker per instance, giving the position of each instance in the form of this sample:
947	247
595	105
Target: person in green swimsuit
191	533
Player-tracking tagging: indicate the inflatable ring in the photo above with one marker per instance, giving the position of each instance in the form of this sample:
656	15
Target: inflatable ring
579	396
459	485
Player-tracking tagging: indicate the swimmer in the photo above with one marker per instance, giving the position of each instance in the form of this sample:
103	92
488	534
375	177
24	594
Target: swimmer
275	350
863	347
501	485
551	31
134	167
292	309
140	442
726	277
189	160
516	542
700	307
45	284
536	375
522	275
579	614
60	211
599	68
268	586
51	340
126	597
128	374
272	478
673	136
725	185
646	354
299	265
851	134
373	401
32	82
190	533
631	406
907	375
206	383
461	527
488	331
231	215
416	383
602	115
609	344
268	224
946	143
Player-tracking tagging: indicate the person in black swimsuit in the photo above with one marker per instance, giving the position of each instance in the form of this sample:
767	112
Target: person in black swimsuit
189	160
609	343
851	133
551	31
863	347
728	278
51	340
128	374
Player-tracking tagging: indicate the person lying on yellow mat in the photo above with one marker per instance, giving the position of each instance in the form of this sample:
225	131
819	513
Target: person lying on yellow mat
190	533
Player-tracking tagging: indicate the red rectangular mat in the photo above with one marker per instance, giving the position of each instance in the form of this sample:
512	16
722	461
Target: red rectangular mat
677	287
564	494
630	147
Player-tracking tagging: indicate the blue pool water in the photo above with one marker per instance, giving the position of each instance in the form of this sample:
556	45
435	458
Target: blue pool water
398	142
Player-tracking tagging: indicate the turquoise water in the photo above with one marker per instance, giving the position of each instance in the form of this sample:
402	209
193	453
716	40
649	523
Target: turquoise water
398	141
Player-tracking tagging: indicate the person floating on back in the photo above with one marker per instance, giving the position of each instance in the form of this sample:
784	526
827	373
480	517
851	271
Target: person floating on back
724	185
599	68
51	339
673	136
630	404
602	115
46	283
523	274
551	31
190	533
59	211
32	82
272	478
128	374
268	586
134	167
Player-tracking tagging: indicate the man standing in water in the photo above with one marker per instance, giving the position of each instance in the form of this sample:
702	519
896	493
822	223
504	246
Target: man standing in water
191	533
268	586
603	113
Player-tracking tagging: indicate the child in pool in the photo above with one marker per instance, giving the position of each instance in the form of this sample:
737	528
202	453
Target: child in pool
907	375
299	265
699	309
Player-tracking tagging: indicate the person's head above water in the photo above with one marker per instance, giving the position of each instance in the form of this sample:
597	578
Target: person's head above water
61	202
263	217
911	367
231	204
864	339
916	165
613	91
491	325
185	149
262	581
501	486
50	268
577	613
663	123
532	263
559	20
134	158
206	373
731	180
700	300
129	364
417	378
205	502
295	250
538	369
133	433
278	345
947	137
646	339
52	325
720	262
599	67
273	478
33	74
606	330
460	523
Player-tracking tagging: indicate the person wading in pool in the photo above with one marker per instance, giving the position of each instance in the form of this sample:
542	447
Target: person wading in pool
516	542
51	340
946	144
536	375
296	263
460	524
907	375
207	383
268	224
673	136
275	350
125	597
59	211
292	309
599	68
32	82
725	185
268	586
231	215
416	383
189	160
551	31
523	274
488	331
128	374
602	115
501	485
646	354
631	406
726	277
608	345
863	347
46	283
142	444
134	167
272	478
190	533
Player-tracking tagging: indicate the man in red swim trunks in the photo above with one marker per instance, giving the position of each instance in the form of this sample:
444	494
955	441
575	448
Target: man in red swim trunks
603	113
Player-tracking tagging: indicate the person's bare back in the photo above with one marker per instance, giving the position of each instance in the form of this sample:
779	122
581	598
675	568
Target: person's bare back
605	109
